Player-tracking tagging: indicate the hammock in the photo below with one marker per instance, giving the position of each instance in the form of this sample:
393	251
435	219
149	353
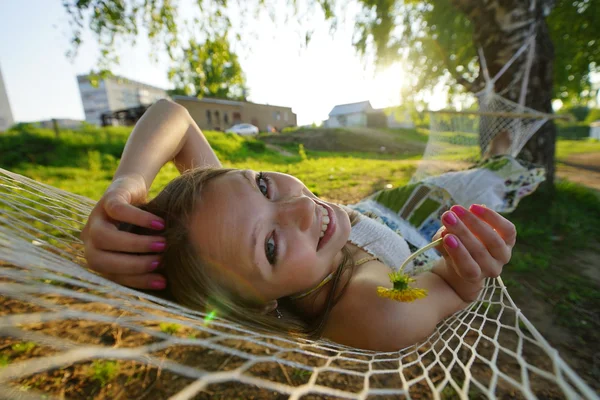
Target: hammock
63	321
72	319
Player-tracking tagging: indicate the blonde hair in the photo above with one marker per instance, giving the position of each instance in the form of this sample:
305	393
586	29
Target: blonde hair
188	280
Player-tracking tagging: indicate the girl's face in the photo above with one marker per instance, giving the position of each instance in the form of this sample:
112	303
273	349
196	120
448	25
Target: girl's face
266	235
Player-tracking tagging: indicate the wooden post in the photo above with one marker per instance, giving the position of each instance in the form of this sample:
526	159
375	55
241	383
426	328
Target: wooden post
55	127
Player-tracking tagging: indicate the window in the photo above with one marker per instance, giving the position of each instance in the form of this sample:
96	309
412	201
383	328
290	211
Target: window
276	115
237	117
208	118
217	116
225	118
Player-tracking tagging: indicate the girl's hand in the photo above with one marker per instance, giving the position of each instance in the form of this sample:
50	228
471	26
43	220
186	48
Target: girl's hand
116	254
477	243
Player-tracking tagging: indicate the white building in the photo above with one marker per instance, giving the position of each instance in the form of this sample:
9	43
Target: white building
113	94
363	114
353	114
6	117
595	130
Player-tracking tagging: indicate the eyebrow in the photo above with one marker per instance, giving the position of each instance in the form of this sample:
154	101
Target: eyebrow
254	234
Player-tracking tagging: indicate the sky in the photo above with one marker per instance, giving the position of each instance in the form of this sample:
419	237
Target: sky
41	81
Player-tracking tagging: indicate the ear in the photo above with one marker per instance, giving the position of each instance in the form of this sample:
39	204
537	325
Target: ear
269	307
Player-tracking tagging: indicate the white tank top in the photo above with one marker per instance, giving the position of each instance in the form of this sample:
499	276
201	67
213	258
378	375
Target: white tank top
380	241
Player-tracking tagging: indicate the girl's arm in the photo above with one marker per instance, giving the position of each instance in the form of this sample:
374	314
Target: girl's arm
165	132
484	241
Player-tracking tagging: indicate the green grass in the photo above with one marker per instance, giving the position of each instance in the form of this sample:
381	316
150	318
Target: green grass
4	360
549	240
169	328
23	347
103	371
565	148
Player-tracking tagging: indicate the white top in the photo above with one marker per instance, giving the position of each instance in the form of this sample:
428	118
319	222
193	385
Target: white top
380	241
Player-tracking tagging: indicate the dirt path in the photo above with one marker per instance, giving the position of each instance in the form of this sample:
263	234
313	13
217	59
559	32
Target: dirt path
581	168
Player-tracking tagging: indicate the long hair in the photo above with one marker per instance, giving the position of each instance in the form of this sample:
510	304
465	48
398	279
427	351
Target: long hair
187	273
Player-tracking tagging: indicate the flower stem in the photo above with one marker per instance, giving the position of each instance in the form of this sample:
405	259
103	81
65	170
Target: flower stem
420	251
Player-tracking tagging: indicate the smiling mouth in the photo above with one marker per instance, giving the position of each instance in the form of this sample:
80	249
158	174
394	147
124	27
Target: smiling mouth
328	224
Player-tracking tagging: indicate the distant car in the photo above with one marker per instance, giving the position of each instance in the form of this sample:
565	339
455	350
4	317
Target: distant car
243	129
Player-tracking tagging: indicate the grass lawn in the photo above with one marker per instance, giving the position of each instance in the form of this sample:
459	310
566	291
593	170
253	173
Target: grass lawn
553	275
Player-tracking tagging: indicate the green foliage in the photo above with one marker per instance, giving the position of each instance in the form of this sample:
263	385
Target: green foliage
433	36
209	69
4	360
170	328
103	371
579	130
575	30
579	112
302	152
23	347
593	116
437	39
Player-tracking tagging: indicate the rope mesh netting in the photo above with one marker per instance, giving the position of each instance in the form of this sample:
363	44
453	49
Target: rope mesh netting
61	324
455	138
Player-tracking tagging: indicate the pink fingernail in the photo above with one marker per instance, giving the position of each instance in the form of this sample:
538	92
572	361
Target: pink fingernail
459	210
451	241
158	246
450	218
154	265
477	209
158	284
158	225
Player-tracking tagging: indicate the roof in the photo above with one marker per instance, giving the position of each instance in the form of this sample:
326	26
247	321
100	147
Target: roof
223	101
208	100
85	78
352	108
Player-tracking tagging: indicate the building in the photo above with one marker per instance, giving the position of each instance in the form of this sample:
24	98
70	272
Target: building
362	114
595	130
6	117
220	114
353	114
61	123
113	94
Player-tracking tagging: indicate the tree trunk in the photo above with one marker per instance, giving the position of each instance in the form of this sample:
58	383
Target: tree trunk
501	27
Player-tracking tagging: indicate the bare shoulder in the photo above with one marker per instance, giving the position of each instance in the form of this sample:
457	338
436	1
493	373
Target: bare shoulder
365	320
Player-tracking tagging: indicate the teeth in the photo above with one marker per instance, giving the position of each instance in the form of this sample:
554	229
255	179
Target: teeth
324	220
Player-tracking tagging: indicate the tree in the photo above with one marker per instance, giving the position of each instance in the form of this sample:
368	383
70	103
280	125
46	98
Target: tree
208	69
438	38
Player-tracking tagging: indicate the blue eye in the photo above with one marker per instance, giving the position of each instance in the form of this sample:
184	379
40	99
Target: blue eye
271	249
262	182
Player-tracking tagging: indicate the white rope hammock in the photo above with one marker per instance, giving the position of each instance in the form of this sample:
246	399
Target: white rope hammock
489	349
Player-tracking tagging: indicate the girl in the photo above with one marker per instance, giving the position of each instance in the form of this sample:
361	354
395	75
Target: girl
259	247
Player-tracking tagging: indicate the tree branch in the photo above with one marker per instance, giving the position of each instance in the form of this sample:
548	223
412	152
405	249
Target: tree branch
461	80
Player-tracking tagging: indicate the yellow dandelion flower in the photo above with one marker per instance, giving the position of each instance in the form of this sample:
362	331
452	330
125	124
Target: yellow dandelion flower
401	290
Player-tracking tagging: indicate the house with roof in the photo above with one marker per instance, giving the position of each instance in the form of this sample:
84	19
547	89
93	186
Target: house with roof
363	114
353	114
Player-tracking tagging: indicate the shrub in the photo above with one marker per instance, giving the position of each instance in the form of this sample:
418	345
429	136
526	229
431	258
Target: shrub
593	116
578	130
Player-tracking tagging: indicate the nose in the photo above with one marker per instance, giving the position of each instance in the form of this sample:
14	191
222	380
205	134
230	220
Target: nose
298	210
